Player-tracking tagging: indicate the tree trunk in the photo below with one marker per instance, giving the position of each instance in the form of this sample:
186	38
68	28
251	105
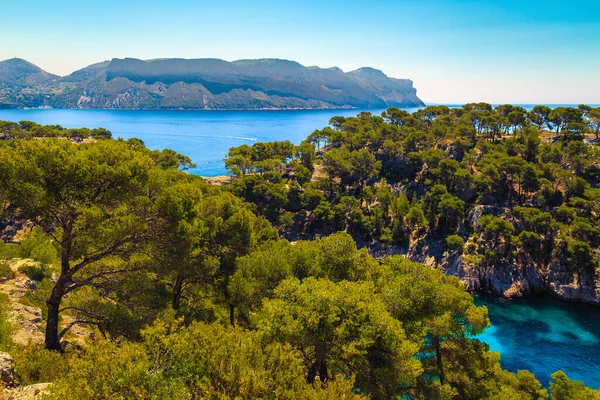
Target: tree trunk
440	365
232	314
323	371
178	290
52	341
312	373
53	304
318	368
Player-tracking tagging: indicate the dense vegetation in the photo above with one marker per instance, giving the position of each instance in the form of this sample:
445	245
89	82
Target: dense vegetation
188	293
505	191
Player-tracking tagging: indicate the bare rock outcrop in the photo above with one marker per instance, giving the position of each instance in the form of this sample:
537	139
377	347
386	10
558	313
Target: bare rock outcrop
26	319
506	275
7	371
29	392
208	84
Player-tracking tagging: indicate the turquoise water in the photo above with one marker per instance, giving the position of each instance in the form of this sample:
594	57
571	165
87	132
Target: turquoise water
539	334
543	335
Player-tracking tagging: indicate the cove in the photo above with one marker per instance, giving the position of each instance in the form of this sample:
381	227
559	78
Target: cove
541	334
544	334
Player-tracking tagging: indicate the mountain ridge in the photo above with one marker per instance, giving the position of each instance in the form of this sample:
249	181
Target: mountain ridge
17	71
205	83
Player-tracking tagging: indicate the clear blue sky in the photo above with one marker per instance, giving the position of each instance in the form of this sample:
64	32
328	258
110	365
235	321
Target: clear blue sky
528	51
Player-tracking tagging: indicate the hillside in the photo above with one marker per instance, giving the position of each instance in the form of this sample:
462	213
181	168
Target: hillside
209	84
505	199
23	84
17	72
134	269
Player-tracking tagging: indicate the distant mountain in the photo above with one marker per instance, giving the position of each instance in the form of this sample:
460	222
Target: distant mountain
210	84
21	73
23	84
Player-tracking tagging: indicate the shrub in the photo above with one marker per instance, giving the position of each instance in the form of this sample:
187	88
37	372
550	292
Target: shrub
565	214
286	220
475	259
6	327
455	243
8	251
37	298
6	272
38	247
33	272
34	364
387	236
200	361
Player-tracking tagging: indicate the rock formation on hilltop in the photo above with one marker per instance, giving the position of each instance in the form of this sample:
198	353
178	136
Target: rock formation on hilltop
209	84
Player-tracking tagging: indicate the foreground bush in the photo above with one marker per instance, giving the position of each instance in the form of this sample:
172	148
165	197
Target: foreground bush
6	327
200	361
6	272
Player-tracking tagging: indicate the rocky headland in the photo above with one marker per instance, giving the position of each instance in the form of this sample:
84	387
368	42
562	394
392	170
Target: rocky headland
202	84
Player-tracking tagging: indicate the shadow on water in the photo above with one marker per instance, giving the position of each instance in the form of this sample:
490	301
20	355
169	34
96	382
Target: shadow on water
544	334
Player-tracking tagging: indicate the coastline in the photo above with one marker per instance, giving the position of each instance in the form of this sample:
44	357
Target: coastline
202	109
218	180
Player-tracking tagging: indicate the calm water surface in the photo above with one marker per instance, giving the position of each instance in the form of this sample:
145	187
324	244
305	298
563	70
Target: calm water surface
539	334
204	136
543	335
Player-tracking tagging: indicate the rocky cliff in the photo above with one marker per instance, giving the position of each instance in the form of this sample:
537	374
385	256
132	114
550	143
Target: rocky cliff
208	84
511	275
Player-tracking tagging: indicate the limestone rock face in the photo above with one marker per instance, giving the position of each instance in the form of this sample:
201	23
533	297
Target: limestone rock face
573	292
26	319
7	372
207	84
26	392
514	276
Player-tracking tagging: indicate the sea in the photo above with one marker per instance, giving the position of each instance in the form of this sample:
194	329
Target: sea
543	335
204	136
540	334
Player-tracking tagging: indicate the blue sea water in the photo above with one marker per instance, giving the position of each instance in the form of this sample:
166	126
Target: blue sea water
542	335
204	136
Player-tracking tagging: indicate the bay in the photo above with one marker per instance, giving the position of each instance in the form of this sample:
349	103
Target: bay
540	334
204	136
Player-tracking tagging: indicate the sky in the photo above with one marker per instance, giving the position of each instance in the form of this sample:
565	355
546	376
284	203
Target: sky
455	51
